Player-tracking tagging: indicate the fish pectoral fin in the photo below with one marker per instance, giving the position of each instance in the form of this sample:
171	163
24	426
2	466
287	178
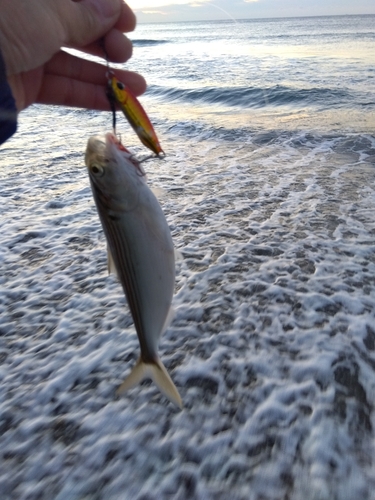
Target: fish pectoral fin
168	319
158	374
178	255
111	264
159	192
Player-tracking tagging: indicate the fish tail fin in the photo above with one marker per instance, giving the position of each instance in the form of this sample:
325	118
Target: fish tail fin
158	373
136	376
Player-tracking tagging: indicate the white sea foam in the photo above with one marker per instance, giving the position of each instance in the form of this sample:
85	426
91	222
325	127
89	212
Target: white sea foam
272	345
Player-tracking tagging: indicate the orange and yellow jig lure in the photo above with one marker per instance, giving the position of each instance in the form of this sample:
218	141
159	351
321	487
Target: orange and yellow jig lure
135	114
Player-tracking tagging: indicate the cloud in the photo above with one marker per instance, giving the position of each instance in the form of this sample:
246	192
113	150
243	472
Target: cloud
159	12
154	4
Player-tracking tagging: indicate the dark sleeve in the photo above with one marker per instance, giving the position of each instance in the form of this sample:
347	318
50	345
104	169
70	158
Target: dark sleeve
8	110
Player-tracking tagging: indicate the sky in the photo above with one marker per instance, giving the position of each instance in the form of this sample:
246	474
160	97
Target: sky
203	10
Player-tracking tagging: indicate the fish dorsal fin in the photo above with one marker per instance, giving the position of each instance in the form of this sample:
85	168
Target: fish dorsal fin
111	263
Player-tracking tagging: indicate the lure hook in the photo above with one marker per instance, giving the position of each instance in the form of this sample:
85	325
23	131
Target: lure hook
109	92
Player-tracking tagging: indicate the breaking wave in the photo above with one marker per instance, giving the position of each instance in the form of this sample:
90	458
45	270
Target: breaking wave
146	43
252	97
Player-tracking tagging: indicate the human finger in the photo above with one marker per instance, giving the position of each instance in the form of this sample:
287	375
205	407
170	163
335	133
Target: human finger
127	20
117	47
69	66
85	21
63	91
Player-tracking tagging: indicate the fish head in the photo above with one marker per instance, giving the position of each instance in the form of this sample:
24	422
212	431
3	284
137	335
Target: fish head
116	176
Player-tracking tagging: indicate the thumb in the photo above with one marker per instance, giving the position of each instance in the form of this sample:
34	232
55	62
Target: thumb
89	20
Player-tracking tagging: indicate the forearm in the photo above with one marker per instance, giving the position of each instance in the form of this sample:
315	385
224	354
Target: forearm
8	111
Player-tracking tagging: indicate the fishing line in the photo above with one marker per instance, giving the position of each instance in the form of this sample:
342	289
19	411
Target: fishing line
265	96
109	92
223	10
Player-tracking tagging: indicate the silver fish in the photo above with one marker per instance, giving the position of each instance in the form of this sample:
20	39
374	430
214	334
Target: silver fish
140	251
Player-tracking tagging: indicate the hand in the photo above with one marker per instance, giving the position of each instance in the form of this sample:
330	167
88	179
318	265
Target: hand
32	34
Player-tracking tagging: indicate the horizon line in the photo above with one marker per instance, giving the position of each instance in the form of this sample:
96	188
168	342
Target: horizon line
253	18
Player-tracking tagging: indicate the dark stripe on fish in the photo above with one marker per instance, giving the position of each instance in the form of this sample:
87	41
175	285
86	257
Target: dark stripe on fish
127	275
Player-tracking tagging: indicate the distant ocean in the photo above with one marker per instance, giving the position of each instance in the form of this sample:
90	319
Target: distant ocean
269	185
311	73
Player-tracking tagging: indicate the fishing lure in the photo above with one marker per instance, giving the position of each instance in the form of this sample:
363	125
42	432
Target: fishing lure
119	93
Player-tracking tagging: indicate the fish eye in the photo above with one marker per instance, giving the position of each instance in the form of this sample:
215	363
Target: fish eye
120	86
97	170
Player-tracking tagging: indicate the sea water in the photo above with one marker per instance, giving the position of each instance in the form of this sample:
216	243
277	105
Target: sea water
269	193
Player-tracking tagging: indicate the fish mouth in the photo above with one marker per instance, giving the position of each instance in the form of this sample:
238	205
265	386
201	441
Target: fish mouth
99	148
96	148
97	145
109	148
112	140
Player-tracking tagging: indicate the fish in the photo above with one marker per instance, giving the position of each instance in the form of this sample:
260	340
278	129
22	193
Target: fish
140	252
135	114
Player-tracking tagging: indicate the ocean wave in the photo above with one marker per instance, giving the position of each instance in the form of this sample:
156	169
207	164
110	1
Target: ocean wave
297	37
146	42
254	97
